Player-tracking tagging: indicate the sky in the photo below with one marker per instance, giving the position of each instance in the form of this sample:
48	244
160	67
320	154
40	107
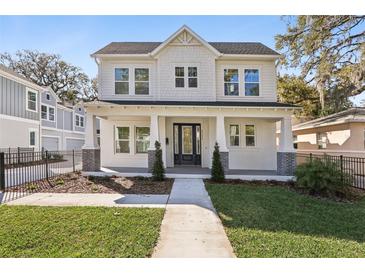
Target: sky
76	37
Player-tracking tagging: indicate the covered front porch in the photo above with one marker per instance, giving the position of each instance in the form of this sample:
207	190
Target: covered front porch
246	137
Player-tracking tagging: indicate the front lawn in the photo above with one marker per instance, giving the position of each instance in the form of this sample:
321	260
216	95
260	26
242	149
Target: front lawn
274	221
27	231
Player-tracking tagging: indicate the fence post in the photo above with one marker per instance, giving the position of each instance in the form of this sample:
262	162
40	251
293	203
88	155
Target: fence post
341	166
18	155
47	165
2	171
73	160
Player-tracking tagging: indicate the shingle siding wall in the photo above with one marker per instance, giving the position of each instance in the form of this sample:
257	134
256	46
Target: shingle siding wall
13	100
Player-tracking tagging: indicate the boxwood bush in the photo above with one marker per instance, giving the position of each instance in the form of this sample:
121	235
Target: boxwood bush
322	177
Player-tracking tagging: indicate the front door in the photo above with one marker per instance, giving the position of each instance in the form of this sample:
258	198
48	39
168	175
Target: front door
187	144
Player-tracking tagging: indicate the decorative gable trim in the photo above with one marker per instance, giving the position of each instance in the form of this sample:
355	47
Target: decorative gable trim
185	36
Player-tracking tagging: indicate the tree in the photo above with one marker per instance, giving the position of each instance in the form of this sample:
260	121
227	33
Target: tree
69	82
217	172
294	90
329	51
158	170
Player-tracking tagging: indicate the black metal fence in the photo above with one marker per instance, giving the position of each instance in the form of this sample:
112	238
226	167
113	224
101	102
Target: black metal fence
24	172
353	166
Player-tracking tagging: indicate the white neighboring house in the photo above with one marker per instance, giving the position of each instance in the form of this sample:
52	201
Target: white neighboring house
33	116
187	94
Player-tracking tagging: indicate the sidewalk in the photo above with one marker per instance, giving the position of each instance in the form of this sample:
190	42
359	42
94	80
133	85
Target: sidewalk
97	199
191	227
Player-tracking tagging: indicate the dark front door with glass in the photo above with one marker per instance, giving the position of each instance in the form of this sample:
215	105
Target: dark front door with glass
187	144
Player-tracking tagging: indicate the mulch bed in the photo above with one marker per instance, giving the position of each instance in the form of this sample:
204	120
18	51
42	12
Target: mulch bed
77	183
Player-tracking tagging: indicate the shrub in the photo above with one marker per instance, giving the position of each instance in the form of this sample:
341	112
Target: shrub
158	170
217	172
322	177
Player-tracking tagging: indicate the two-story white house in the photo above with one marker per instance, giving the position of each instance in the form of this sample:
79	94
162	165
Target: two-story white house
188	94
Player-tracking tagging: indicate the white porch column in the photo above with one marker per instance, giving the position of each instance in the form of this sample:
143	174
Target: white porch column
221	133
286	156
90	132
90	150
286	135
154	136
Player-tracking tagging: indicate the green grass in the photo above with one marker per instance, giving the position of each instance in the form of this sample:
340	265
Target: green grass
270	221
30	231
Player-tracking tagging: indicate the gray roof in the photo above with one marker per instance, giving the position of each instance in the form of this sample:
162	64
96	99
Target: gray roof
356	114
253	48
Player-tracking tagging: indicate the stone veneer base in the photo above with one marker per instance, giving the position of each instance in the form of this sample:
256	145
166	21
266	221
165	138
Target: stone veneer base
91	159
286	163
224	155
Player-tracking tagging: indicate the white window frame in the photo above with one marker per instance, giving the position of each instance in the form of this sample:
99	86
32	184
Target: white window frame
35	130
239	135
238	82
28	90
123	81
48	107
79	116
241	83
320	142
254	135
131	79
135	139
186	76
134	81
244	82
116	139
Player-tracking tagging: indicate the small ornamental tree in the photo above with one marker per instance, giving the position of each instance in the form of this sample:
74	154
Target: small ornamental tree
217	172
158	170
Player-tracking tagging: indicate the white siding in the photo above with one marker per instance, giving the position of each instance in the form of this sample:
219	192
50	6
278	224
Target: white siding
268	76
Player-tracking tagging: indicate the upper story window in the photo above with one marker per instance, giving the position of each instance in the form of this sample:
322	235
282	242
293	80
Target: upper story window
252	82
141	81
47	113
48	96
121	80
186	77
79	120
231	84
322	140
31	100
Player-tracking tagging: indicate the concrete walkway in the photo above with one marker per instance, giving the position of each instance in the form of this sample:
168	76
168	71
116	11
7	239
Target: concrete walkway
97	199
191	227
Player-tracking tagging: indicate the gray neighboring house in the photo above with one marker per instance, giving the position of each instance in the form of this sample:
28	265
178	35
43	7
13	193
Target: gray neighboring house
34	116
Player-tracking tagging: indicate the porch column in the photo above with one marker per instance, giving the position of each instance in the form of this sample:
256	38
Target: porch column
90	150
154	136
221	140
286	157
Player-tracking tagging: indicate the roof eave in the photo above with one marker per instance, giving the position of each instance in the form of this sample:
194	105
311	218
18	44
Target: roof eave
251	56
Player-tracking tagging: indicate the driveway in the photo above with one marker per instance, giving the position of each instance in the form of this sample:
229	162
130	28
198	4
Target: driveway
191	227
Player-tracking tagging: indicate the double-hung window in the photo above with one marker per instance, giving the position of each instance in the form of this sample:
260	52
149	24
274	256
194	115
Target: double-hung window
234	135
231	82
179	77
31	100
121	80
47	113
252	82
250	135
79	120
141	81
322	140
186	77
142	139
122	135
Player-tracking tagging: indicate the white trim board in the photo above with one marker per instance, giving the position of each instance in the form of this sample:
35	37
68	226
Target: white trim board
19	119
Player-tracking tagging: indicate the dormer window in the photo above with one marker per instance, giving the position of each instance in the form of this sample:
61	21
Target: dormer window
121	80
